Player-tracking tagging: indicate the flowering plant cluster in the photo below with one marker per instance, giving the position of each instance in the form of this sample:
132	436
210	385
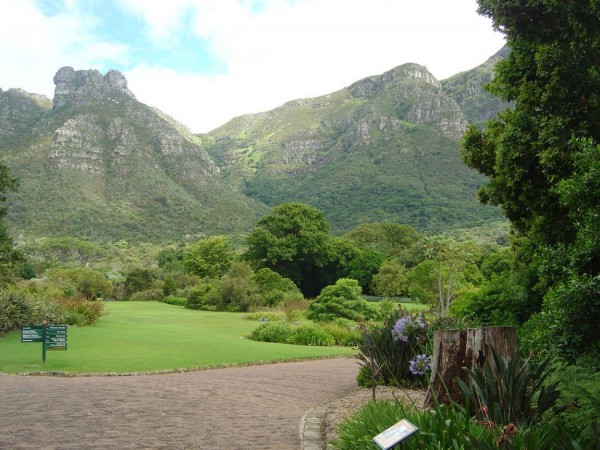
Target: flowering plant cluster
420	364
406	326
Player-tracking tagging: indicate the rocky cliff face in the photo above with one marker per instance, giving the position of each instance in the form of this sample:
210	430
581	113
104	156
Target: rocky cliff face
101	164
467	89
384	148
417	97
88	87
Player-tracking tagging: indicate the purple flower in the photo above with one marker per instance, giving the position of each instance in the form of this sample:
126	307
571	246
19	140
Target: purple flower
420	365
406	326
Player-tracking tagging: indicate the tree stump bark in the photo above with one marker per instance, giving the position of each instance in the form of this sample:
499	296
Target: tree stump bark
455	350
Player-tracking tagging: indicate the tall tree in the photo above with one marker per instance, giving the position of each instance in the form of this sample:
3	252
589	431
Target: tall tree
292	241
541	155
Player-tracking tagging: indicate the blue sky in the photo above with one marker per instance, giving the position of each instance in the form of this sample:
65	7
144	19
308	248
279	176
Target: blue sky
206	61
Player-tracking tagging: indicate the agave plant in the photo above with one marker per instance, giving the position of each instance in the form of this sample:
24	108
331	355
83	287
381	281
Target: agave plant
513	393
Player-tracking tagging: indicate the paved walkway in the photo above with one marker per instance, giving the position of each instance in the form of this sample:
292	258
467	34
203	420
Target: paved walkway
245	408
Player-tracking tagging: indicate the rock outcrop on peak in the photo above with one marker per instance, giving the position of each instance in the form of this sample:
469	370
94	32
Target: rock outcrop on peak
86	87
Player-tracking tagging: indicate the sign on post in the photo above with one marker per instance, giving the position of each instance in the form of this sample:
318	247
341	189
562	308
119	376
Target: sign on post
33	333
52	337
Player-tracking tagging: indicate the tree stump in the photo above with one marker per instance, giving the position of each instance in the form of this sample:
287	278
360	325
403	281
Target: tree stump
455	350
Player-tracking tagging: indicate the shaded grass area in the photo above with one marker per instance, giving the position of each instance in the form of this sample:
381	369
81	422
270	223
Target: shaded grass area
150	336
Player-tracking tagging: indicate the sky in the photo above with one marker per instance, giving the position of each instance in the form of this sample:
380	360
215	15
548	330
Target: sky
204	62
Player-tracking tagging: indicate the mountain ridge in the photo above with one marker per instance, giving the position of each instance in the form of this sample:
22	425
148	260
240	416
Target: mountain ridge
98	164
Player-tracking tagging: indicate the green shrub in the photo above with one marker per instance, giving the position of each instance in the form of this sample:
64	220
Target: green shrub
311	335
177	301
17	308
196	298
344	332
341	300
80	311
169	286
272	332
235	291
148	295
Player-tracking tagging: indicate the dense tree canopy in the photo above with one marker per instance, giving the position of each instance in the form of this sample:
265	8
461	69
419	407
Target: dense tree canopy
292	241
541	156
209	257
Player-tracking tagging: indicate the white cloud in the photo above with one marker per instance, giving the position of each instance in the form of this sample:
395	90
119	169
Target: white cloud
288	50
162	18
35	46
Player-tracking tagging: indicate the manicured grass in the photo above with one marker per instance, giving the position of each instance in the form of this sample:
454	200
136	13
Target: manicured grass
150	336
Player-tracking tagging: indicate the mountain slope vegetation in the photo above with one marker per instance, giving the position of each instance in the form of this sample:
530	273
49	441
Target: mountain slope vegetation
97	164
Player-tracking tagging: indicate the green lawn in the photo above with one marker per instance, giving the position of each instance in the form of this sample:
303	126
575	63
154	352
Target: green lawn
150	336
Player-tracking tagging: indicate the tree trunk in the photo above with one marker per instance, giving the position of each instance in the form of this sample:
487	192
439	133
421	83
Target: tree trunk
454	350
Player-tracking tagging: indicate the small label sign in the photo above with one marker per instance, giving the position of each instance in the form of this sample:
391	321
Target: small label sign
395	434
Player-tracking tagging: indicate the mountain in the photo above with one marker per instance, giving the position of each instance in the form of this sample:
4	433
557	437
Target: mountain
96	163
100	165
466	89
386	148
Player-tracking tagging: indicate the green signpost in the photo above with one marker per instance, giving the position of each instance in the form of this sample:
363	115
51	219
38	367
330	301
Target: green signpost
52	337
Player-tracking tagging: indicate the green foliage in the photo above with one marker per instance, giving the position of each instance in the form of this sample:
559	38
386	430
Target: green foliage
81	280
445	428
442	428
269	280
515	394
10	258
341	300
67	250
209	257
541	158
344	332
169	285
170	259
139	280
17	308
272	332
391	280
311	335
292	242
20	307
148	295
393	240
176	301
580	395
500	301
423	283
196	298
79	310
235	291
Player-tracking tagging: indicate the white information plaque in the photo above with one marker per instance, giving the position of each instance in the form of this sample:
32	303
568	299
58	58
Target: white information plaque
395	434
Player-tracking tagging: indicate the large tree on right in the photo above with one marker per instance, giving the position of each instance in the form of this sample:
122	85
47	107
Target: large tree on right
542	159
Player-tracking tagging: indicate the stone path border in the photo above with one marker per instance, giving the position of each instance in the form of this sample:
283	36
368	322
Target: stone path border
244	408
